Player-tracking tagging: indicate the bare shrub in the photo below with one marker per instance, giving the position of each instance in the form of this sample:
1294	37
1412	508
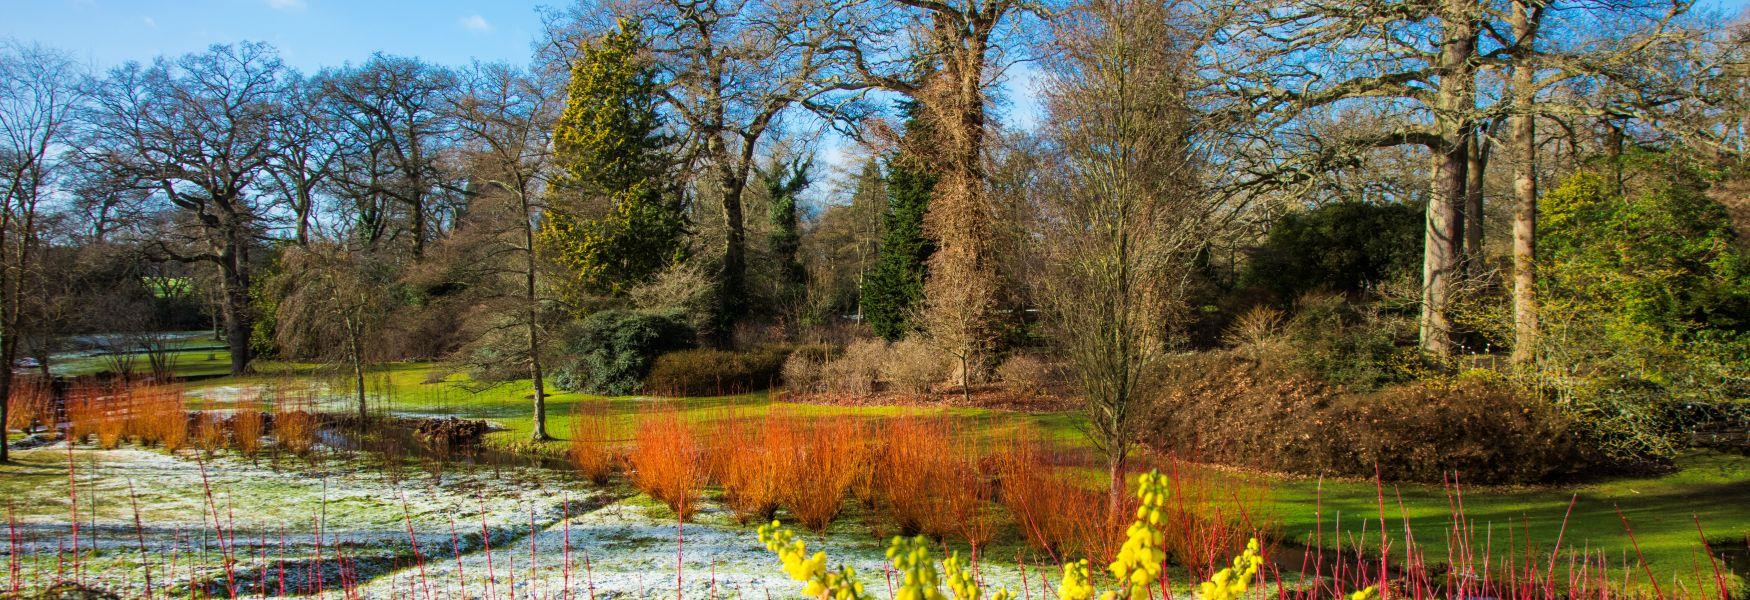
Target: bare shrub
857	370
802	373
1030	373
913	367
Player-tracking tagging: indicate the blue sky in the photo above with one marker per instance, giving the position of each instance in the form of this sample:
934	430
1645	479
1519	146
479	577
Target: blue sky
310	34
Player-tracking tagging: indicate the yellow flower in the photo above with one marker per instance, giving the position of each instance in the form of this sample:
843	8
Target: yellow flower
1139	561
1075	584
1231	583
816	580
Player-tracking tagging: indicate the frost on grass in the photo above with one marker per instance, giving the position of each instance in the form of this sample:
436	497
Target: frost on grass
269	516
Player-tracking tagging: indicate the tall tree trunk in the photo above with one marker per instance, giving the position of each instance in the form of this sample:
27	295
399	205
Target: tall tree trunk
234	284
418	216
1524	138
1442	243
358	371
733	282
1476	163
534	316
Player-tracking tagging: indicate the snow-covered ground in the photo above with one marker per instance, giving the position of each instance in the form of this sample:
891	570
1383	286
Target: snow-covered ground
268	517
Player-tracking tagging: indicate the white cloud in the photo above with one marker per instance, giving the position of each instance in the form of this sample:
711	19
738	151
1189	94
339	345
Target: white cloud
150	22
475	23
286	5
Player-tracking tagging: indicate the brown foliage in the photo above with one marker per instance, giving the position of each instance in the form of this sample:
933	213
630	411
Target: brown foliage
1230	408
705	372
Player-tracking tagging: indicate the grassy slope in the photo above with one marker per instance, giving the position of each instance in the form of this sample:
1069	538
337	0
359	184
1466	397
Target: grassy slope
1714	488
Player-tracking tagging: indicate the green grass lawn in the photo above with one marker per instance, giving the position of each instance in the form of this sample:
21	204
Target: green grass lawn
1662	510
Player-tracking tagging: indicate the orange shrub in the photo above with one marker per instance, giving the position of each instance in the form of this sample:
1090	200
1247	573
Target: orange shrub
209	432
294	430
594	444
246	428
84	409
825	459
29	403
667	461
930	481
750	462
157	416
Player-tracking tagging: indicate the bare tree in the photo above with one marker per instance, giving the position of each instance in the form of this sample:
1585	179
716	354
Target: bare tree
39	92
1121	223
392	112
336	301
507	119
308	151
199	131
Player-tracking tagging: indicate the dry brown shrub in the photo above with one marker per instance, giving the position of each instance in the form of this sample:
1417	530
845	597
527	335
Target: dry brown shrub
1257	331
802	373
857	370
667	461
246	428
913	366
594	449
1030	374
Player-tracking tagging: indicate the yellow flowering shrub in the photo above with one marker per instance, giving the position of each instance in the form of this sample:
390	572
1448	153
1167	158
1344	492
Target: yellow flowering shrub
1140	559
1232	582
1075	584
818	582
